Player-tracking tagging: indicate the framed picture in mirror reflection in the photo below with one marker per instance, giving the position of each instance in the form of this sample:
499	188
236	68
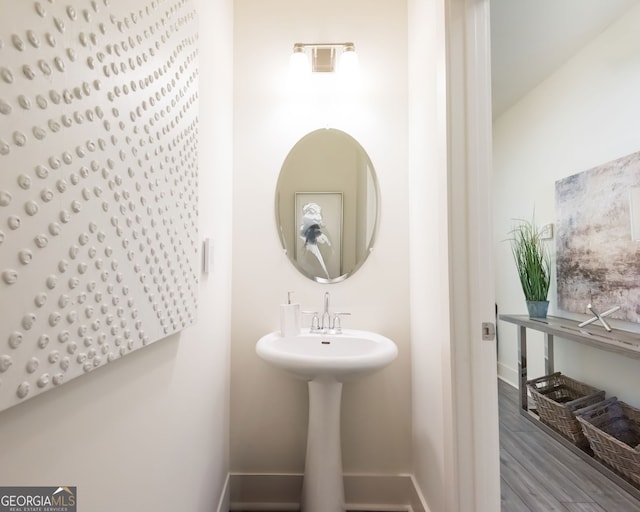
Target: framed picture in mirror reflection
318	226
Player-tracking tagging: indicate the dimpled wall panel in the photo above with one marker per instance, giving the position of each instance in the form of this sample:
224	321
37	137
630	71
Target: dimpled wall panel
98	184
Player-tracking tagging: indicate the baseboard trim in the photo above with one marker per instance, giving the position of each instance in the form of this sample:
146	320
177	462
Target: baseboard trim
507	374
388	493
223	505
264	507
266	492
419	504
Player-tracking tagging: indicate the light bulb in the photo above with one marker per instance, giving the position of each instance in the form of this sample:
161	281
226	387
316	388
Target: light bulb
299	63
349	63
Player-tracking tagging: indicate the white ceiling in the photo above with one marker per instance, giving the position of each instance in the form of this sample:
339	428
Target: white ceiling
532	38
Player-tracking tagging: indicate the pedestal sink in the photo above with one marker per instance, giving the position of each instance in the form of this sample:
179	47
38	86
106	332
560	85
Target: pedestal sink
325	361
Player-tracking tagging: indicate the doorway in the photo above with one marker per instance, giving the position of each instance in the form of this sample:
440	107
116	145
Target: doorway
562	103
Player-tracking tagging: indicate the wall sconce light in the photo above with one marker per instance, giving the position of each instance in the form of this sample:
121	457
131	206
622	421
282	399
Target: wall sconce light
324	58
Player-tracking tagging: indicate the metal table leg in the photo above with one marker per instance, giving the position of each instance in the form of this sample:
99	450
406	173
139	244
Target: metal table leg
548	354
522	367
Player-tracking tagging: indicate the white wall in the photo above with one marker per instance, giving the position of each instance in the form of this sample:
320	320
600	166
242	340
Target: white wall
268	408
585	114
431	369
150	431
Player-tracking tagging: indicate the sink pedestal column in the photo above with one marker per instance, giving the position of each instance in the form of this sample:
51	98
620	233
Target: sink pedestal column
323	488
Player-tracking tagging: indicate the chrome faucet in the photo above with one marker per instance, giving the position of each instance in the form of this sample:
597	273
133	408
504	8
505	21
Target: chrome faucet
325	322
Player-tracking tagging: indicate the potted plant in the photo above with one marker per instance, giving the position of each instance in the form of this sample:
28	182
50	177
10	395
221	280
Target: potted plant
533	264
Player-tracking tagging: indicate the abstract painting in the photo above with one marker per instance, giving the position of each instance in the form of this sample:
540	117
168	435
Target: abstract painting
597	258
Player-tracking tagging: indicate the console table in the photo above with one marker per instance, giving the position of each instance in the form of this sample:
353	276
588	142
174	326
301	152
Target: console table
621	342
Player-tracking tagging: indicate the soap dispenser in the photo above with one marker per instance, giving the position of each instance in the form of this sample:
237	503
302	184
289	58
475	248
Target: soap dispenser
289	318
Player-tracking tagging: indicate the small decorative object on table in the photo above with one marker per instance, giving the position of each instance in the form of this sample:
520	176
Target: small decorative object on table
533	264
613	430
557	398
599	316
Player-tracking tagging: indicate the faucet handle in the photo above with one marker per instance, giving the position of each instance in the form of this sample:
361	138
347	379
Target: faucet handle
337	323
315	320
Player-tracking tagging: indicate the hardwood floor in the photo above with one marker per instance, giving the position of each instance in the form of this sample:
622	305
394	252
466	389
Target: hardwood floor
540	475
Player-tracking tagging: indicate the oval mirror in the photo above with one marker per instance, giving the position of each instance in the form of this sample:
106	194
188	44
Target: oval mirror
327	205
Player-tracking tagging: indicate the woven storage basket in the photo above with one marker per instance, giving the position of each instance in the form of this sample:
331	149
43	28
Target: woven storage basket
613	430
557	397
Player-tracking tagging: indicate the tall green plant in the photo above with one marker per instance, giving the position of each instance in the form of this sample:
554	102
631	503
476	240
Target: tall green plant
532	260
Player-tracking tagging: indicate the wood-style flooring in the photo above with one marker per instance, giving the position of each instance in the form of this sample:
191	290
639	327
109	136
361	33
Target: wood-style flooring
538	474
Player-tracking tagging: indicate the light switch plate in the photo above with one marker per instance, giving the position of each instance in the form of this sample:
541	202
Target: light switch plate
546	232
207	255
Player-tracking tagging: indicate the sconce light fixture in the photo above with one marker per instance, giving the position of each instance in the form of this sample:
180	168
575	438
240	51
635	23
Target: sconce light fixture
324	58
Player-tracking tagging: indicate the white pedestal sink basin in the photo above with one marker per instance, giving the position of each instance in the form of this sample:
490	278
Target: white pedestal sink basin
340	356
325	361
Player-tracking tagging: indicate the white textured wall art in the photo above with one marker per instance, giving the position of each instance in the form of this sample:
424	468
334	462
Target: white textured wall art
597	260
98	184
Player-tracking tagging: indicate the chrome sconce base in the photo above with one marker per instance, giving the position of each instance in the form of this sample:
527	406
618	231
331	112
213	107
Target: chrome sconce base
323	57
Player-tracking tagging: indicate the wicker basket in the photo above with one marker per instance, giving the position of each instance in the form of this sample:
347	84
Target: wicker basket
557	397
613	430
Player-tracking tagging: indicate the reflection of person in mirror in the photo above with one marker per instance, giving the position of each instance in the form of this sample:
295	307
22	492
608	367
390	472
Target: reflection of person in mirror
312	234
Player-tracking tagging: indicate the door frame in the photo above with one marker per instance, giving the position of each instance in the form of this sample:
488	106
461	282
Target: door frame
474	372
